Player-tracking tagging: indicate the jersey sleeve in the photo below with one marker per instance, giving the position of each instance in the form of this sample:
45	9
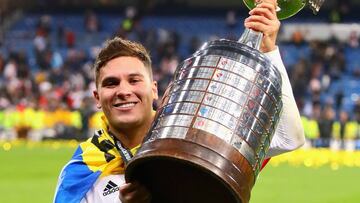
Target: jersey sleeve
289	133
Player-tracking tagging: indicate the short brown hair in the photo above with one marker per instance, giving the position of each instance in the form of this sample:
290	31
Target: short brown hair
117	47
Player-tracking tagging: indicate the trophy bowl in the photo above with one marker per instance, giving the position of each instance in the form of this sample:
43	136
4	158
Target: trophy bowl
214	126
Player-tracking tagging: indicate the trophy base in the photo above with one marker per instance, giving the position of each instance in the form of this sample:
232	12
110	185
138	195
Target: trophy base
200	168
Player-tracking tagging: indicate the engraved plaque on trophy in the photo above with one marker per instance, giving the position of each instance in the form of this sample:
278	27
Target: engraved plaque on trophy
214	126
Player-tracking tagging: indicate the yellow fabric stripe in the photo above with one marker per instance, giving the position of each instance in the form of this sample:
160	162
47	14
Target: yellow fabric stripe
94	158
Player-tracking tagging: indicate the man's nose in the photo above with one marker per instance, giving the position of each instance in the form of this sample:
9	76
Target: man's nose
123	90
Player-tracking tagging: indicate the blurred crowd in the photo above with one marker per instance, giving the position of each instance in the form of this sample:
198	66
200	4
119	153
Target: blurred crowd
326	121
52	98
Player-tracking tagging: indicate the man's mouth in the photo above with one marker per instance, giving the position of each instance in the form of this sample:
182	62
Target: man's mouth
125	105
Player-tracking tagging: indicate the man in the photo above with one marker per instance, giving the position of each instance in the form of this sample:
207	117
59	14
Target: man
125	92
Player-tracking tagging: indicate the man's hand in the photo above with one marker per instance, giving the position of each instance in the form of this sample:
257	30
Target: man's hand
134	193
263	19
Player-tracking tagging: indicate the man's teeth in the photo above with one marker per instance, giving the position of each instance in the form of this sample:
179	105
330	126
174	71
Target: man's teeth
126	105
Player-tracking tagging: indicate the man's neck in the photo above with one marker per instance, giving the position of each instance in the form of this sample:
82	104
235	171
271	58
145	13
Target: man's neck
134	136
130	138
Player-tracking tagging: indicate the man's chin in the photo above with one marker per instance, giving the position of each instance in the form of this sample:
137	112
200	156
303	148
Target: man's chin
130	123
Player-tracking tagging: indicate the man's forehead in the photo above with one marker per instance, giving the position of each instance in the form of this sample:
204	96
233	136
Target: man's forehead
124	66
122	75
117	72
125	61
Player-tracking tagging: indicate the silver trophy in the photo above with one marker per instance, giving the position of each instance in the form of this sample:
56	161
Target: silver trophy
214	126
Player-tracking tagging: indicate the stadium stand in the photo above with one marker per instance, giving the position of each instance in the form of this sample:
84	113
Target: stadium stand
46	80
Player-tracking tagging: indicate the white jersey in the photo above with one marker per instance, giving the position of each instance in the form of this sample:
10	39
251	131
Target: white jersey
105	189
289	133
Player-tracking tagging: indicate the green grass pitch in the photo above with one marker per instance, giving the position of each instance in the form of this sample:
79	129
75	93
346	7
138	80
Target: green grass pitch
29	172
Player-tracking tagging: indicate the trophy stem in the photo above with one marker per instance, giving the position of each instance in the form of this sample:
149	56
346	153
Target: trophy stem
251	38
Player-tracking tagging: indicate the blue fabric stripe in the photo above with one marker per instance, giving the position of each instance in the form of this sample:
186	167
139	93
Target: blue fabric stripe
76	179
77	154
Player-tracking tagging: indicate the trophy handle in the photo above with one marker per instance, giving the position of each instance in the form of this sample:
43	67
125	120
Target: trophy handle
251	38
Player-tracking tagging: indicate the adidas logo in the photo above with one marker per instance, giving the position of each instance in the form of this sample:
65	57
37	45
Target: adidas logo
110	188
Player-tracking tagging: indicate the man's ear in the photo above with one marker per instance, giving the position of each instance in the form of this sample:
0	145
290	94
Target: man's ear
97	98
155	90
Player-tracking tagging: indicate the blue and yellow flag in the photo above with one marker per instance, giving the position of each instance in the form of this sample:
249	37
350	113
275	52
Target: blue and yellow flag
95	158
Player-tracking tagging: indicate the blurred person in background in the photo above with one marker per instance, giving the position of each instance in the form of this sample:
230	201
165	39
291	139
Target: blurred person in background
357	110
325	124
343	121
126	91
91	22
357	122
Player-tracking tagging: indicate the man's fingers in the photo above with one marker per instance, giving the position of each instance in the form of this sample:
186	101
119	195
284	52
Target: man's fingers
127	196
143	194
256	26
259	19
264	13
128	187
263	18
266	29
134	193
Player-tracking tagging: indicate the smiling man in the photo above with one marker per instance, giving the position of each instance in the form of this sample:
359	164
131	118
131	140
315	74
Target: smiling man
125	92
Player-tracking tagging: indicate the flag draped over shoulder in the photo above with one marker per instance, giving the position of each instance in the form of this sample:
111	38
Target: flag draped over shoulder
93	159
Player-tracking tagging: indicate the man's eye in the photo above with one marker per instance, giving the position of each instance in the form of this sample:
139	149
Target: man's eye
109	84
134	81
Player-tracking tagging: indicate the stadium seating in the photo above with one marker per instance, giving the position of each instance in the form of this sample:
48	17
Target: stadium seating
21	35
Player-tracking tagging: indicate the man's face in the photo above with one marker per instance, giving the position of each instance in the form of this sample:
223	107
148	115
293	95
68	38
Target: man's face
125	93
